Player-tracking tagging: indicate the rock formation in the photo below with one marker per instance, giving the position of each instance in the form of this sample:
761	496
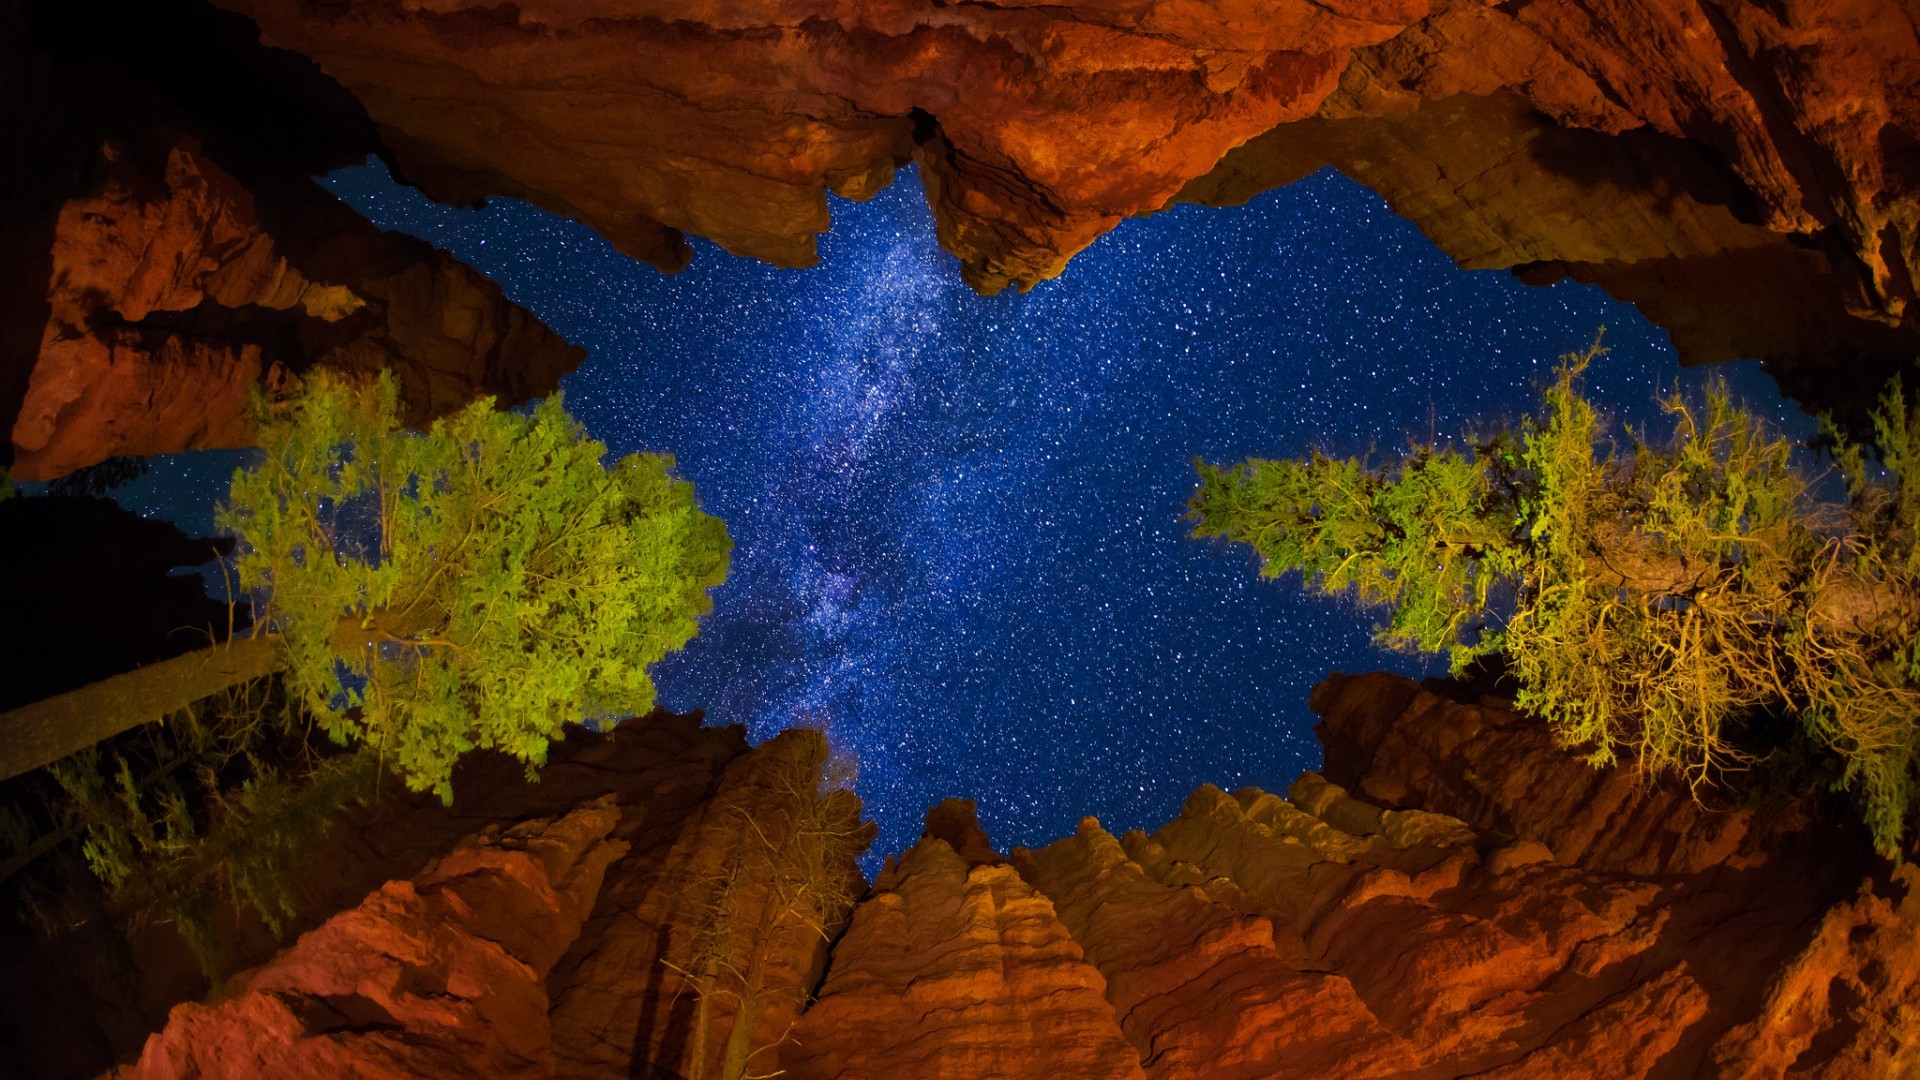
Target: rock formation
955	966
1467	901
86	998
165	260
170	300
1745	171
438	975
726	930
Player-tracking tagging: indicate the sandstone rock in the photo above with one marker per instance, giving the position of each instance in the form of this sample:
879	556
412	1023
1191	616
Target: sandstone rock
1655	220
1400	745
1666	938
1744	171
1356	929
1036	129
84	999
172	296
954	967
1849	1004
439	975
729	922
1203	989
1726	167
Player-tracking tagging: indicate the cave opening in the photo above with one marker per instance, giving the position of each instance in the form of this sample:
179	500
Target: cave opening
958	519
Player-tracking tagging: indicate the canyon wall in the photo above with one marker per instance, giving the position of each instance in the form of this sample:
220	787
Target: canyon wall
1747	171
169	252
170	298
1468	900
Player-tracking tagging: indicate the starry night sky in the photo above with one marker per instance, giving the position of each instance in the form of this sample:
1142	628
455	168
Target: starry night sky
958	519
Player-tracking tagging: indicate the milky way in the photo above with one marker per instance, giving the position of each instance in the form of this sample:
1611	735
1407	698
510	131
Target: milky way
958	519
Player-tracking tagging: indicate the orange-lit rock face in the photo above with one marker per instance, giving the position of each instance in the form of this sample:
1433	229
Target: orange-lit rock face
1565	923
1759	158
1395	744
1038	128
718	919
954	966
437	976
1746	172
111	378
171	297
1735	943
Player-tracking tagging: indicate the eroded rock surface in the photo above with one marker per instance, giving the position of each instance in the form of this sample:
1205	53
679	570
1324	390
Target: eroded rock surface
956	966
1037	128
170	299
168	252
438	975
1745	171
1468	900
720	933
91	996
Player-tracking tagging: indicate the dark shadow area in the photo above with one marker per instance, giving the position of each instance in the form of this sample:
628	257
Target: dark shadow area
90	590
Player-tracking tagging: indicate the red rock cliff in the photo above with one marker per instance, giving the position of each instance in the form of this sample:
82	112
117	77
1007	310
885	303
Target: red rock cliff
167	251
1747	171
1744	170
1475	904
170	298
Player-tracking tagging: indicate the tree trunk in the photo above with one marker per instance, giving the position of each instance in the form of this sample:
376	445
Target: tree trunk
1845	604
42	733
703	990
746	1016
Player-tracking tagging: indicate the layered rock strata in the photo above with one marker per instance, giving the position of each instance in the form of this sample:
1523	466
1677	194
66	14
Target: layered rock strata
1745	171
710	954
1471	901
956	966
170	300
90	996
668	919
168	253
437	975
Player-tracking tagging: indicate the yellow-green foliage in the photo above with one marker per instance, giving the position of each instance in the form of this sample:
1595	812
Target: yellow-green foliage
480	585
1662	596
1659	588
1418	538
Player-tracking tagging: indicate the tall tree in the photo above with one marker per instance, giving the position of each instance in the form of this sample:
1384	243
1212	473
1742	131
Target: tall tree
480	585
1653	597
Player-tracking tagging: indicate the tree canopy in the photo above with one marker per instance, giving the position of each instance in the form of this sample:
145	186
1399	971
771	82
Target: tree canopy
479	585
1654	597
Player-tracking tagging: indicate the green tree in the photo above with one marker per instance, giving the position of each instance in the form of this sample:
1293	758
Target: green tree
1654	598
481	585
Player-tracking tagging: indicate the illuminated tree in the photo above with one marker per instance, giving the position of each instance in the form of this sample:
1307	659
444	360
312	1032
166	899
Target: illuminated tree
1654	601
786	889
481	585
